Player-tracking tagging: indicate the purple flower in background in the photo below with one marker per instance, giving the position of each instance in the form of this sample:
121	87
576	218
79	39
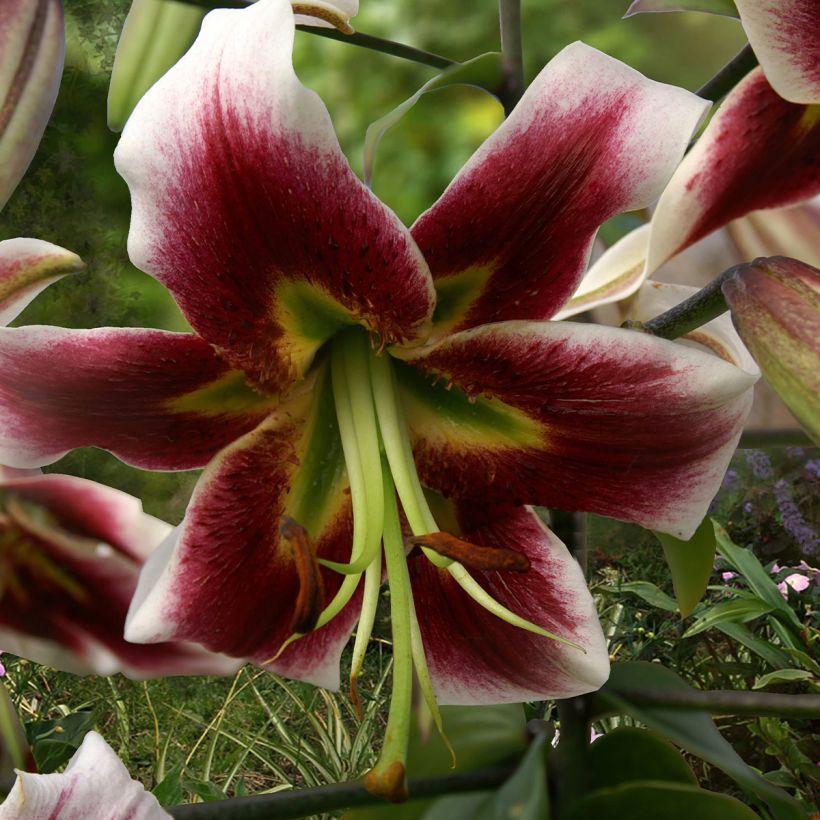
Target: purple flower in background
727	576
748	507
793	521
813	467
795	452
799	583
2	668
759	463
730	480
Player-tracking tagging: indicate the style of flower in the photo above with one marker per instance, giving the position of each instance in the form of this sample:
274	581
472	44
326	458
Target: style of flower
340	361
94	781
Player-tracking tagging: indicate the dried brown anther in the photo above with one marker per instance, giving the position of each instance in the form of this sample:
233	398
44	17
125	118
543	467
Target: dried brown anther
473	556
311	598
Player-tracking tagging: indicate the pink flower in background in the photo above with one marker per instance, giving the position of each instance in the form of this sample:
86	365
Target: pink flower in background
798	582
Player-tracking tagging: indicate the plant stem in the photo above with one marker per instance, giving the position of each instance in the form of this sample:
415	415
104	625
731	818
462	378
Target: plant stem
729	76
573	741
720	702
512	65
309	802
390	47
697	310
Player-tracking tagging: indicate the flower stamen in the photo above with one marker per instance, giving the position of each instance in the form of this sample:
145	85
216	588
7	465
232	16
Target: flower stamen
473	556
311	598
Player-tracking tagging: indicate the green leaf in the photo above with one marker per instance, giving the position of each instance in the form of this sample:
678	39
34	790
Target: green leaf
208	791
773	655
481	736
690	563
629	753
744	562
803	658
726	8
782	676
483	72
14	748
650	800
524	795
739	610
693	731
169	790
458	805
651	594
53	742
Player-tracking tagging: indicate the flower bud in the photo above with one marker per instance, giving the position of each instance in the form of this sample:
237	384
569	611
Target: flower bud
775	304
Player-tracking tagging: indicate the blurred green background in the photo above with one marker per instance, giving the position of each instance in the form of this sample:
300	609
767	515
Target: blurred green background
72	195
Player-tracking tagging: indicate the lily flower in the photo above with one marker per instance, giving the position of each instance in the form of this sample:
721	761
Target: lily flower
70	555
759	152
32	47
94	781
346	373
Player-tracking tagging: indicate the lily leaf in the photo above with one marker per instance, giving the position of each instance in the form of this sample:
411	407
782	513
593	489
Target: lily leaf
773	655
53	742
690	563
482	72
782	676
741	610
726	8
628	754
693	731
744	562
649	800
14	748
651	594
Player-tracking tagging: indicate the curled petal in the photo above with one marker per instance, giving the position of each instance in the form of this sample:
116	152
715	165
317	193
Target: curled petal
228	577
27	267
759	151
66	589
577	417
32	45
158	400
783	34
246	209
511	235
94	780
775	306
475	658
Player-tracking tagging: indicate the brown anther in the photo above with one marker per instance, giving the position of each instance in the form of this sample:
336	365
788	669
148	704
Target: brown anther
473	556
329	15
311	598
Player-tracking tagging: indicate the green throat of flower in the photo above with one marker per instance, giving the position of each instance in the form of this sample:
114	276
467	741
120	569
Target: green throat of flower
382	474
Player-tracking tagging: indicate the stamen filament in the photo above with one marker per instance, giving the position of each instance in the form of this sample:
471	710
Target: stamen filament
311	595
393	428
388	777
484	599
367	617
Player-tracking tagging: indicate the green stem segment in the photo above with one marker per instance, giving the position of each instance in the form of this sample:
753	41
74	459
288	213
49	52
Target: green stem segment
512	64
729	76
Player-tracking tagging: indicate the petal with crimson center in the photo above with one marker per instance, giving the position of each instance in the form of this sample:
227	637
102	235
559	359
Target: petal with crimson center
784	36
511	235
27	267
228	577
577	417
94	780
157	400
759	151
65	594
244	206
475	658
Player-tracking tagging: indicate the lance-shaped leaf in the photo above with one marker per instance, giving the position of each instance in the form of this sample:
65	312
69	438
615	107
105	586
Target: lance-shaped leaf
511	235
759	151
784	36
231	576
95	780
27	267
775	306
476	658
71	552
723	7
246	209
577	417
32	45
15	752
158	400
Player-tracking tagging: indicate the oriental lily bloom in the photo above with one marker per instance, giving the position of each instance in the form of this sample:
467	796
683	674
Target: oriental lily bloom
340	361
758	152
70	554
94	784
